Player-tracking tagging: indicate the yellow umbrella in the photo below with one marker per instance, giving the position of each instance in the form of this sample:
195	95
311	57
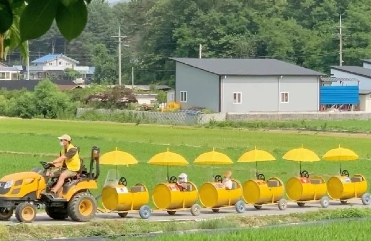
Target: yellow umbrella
117	158
167	159
256	156
301	155
213	158
340	154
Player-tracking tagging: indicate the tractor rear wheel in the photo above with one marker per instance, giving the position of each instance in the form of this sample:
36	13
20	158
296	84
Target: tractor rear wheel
5	214
56	213
82	207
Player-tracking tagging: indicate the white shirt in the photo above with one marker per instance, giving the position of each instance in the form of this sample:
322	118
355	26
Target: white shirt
227	183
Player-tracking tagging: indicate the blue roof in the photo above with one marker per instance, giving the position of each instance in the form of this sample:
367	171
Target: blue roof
50	57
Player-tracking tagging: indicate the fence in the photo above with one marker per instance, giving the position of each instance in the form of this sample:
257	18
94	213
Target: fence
182	117
196	117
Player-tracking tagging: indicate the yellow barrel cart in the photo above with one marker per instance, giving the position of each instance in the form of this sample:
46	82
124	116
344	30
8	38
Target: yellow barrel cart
213	194
259	191
116	196
169	196
342	187
305	189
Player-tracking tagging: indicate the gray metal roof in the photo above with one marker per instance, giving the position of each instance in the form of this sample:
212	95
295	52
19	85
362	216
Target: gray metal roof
357	70
334	79
5	68
255	67
364	92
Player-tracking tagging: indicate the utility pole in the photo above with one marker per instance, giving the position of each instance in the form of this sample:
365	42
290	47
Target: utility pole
341	43
132	78
28	61
120	41
199	51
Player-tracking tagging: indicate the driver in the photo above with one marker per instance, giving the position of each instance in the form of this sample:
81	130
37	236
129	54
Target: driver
70	157
227	182
182	182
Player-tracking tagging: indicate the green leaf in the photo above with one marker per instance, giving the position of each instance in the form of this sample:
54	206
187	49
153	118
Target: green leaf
68	2
6	16
72	20
36	18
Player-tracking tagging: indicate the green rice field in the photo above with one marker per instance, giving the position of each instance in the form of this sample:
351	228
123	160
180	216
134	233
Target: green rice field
24	143
339	231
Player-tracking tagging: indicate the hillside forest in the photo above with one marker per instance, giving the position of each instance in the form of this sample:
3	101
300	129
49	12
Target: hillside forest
304	32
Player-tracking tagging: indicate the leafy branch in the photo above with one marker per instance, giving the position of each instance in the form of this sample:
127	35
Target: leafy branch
30	19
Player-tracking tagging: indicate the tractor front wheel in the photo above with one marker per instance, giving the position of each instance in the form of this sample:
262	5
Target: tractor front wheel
25	212
82	207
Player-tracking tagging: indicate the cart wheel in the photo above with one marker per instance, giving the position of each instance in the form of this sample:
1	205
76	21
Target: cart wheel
343	201
282	204
258	207
325	202
240	206
171	212
25	212
123	214
195	209
366	199
145	212
301	204
215	210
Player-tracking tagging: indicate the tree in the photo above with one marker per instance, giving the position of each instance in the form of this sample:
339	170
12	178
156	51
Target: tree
50	102
72	74
161	96
22	106
105	67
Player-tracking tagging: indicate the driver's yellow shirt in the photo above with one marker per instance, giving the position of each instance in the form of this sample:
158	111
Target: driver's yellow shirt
72	163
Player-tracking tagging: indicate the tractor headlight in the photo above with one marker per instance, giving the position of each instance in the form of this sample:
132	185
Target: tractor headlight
8	184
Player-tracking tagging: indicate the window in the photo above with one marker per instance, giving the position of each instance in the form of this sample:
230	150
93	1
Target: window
60	63
284	97
237	98
183	96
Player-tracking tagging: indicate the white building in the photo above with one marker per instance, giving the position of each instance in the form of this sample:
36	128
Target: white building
54	65
9	73
357	75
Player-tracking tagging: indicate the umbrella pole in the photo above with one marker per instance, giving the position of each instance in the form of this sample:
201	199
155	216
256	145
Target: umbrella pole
256	170
299	168
340	168
116	172
167	172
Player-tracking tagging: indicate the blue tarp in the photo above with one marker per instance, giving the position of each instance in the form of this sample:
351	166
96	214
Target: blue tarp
337	95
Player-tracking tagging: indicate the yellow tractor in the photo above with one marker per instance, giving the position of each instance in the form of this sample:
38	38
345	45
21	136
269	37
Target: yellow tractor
21	192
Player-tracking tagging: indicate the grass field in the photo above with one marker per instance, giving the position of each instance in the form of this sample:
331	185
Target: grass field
339	231
363	126
36	140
